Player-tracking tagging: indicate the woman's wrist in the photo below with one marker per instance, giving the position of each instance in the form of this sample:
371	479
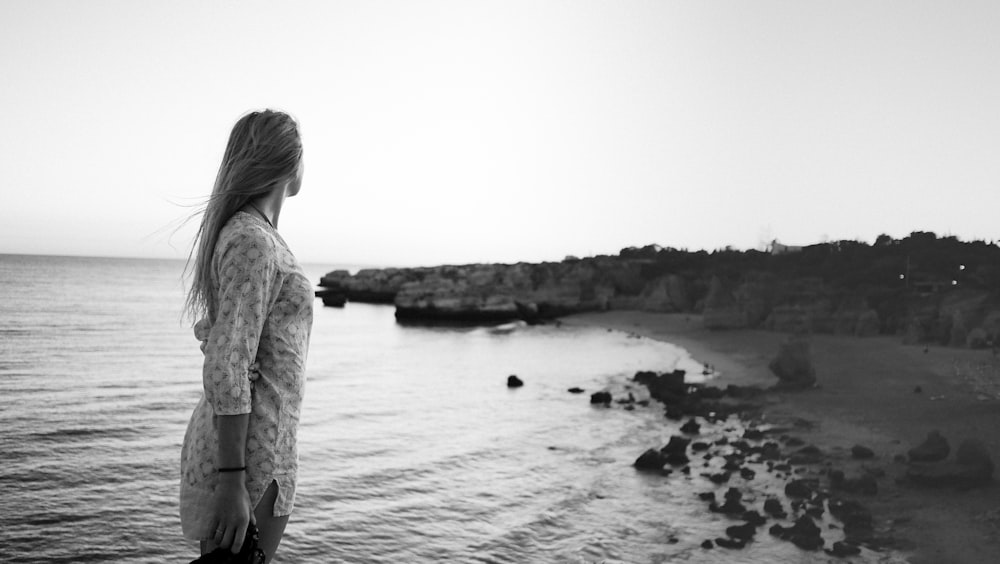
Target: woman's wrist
232	477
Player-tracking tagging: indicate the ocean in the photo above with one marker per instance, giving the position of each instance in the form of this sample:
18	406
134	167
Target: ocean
412	448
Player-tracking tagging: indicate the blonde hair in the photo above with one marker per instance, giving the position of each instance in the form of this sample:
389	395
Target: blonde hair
264	150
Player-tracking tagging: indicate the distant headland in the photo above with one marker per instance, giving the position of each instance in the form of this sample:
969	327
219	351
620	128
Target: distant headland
924	288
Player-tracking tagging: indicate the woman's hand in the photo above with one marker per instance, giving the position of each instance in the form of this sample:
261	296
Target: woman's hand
233	513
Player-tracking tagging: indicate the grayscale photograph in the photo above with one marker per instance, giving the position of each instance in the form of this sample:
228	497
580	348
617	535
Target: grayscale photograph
500	281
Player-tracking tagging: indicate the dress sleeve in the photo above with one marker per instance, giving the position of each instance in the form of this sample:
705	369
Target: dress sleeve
248	281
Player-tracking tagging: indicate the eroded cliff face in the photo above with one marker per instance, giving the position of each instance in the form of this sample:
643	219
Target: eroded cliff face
497	292
534	292
958	318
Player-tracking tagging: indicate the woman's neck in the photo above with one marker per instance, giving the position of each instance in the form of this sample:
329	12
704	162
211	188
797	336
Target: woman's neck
270	206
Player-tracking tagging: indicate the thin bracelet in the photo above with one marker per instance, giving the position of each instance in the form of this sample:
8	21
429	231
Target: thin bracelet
235	469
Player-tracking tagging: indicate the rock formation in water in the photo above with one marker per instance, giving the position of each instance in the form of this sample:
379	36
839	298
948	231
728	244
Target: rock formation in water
922	288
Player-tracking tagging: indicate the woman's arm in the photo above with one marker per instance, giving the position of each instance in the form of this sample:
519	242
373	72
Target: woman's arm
232	500
248	278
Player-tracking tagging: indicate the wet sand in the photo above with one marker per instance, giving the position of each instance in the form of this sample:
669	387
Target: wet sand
867	394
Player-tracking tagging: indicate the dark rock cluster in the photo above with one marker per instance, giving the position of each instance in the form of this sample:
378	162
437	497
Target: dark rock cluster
811	489
972	466
720	437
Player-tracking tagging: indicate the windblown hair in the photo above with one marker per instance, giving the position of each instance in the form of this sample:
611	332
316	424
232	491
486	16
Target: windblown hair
264	150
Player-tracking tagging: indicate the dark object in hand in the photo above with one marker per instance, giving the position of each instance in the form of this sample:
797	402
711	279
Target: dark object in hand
251	553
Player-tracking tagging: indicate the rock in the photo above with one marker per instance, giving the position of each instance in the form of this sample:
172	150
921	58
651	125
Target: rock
857	519
743	532
747	473
793	365
691	427
575	390
447	300
666	293
769	451
754	518
667	387
803	534
652	459
332	297
720	477
729	507
814	511
810	454
368	285
862	452
676	444
934	448
707	544
972	468
772	506
730	543
722	309
627	400
514	382
733	494
677	458
601	398
842	549
801	488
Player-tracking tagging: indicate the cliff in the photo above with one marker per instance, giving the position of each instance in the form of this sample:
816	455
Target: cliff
923	288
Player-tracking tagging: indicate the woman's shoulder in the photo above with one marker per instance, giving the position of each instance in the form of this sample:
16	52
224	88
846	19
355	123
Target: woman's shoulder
252	237
244	232
243	226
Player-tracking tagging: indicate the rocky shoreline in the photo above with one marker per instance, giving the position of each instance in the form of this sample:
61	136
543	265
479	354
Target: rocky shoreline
843	288
776	465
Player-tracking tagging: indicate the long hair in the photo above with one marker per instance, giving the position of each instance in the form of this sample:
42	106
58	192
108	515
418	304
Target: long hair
264	150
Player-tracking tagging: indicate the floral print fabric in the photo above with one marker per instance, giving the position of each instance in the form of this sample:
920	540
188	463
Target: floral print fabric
255	339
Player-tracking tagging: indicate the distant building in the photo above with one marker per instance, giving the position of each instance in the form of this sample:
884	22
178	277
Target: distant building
779	249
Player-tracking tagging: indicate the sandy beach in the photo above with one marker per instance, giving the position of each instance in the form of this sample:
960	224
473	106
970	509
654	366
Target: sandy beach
874	392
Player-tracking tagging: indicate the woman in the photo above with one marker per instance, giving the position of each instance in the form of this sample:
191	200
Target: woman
239	460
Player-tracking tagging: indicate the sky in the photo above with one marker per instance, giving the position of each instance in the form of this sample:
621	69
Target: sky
470	131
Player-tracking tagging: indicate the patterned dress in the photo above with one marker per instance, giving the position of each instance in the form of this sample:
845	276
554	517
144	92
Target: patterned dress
255	340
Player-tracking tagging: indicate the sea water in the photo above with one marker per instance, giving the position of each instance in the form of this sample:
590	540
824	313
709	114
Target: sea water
412	447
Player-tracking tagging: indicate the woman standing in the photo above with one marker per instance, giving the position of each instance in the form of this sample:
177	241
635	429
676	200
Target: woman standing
254	304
